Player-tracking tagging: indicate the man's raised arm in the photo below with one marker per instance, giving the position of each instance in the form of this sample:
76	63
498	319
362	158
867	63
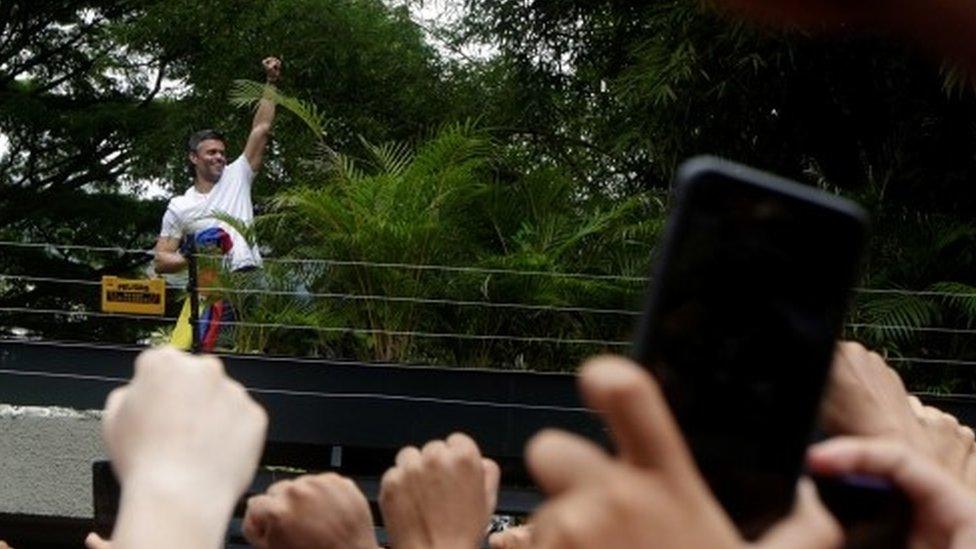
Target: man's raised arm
258	140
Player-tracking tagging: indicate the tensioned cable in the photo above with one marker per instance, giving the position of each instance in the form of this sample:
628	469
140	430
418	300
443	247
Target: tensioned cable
431	335
77	281
112	249
426	301
437	335
264	358
372	396
442	301
414	266
946	361
924	394
348	263
337	329
897	327
452	269
328	395
357	297
923	293
345	362
96	314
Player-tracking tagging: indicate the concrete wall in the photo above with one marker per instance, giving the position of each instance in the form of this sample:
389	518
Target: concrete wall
45	460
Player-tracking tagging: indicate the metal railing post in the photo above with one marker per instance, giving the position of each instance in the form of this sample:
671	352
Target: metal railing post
191	287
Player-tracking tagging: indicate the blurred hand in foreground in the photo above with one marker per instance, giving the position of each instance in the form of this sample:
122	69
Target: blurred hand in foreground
326	511
866	397
440	496
184	440
516	537
944	512
652	495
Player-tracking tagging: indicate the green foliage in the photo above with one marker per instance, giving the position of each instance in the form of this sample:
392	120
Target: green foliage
443	201
583	109
246	93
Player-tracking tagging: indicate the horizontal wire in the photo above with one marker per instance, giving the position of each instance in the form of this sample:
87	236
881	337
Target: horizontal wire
378	396
337	329
430	335
356	297
345	263
383	396
445	268
318	394
926	394
443	301
268	358
922	293
96	314
466	269
427	301
112	249
931	329
78	281
946	361
435	335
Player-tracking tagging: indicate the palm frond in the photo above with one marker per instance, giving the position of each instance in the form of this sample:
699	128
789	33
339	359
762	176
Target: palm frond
956	80
392	158
895	316
246	93
960	296
245	229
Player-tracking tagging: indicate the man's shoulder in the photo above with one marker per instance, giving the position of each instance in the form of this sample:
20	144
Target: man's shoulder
239	168
181	202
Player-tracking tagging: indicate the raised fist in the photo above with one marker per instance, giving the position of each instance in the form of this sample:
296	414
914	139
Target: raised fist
272	68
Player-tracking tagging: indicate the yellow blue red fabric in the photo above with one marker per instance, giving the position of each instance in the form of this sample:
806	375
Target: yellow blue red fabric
216	315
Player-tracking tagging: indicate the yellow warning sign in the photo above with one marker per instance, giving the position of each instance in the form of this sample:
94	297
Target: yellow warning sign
141	297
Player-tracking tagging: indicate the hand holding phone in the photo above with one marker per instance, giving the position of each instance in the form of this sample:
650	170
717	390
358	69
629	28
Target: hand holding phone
747	299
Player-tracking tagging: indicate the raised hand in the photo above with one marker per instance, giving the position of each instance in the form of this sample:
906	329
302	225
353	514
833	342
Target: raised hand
652	495
272	69
440	496
326	511
184	440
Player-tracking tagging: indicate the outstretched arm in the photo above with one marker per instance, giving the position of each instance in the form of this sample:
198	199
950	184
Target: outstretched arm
258	139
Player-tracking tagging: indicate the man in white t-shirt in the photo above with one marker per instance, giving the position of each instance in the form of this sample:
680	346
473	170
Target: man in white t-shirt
218	188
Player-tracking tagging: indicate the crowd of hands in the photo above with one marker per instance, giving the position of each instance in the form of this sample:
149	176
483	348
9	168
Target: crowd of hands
185	440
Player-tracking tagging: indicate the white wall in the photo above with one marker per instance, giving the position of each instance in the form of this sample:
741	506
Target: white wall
45	460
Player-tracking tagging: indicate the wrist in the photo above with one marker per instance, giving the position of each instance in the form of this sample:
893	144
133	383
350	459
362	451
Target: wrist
166	510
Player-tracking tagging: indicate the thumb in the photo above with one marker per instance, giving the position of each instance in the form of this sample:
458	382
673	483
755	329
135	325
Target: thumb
808	526
94	541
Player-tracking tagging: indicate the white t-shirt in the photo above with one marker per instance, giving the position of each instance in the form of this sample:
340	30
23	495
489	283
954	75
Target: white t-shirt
193	212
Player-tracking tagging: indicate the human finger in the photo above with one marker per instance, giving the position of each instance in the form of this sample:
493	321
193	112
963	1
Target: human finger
261	511
492	478
636	411
407	454
113	402
916	405
921	480
567	522
92	541
559	460
279	488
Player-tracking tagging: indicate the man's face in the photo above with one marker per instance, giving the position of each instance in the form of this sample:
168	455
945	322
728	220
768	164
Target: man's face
209	159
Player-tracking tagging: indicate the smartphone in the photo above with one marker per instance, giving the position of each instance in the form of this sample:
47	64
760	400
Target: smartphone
747	298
